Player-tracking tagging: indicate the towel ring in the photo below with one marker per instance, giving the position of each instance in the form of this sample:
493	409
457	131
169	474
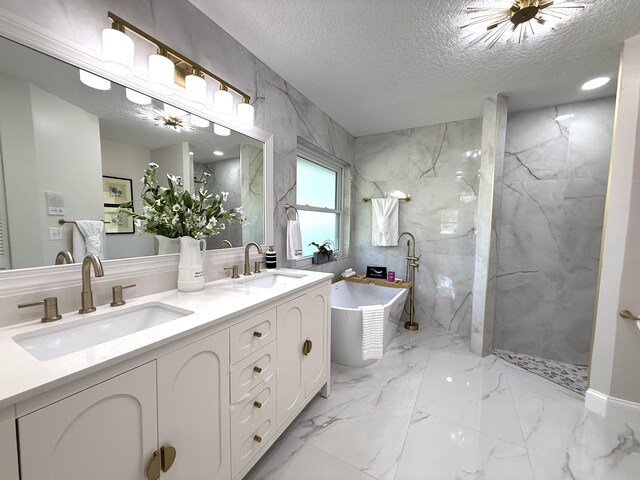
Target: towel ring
289	208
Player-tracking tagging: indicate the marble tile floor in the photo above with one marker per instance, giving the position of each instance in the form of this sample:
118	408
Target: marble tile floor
432	410
573	377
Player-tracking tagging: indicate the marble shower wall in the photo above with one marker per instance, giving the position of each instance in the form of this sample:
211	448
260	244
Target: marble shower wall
553	196
280	108
437	166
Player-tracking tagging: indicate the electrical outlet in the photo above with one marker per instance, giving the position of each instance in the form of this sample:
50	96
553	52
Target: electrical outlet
55	233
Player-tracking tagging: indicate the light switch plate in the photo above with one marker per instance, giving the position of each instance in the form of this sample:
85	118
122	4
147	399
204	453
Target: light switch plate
55	233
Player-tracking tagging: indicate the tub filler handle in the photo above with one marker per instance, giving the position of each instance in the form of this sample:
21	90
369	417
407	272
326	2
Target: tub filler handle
306	347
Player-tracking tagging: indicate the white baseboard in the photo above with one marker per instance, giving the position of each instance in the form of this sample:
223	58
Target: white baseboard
607	406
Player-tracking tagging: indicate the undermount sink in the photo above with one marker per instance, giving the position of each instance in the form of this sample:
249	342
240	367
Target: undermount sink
58	341
274	280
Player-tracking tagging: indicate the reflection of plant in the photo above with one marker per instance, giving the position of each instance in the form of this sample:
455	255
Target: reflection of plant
174	212
325	249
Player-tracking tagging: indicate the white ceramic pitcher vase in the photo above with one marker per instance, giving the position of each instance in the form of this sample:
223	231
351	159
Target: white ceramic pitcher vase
191	268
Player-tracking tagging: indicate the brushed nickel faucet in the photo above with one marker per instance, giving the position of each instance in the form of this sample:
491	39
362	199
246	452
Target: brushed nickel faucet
64	256
412	266
247	265
86	296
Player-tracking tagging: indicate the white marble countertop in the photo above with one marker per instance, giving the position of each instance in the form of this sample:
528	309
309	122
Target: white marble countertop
22	376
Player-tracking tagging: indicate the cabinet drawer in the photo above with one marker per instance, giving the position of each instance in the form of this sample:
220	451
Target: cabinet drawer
250	445
248	373
249	414
252	334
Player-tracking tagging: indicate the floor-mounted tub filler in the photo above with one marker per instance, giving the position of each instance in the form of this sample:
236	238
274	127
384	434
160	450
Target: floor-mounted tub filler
346	318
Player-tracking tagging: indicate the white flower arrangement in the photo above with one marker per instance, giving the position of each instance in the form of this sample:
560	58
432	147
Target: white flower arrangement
174	212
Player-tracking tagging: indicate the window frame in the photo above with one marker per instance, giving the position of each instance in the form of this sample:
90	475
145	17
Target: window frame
313	154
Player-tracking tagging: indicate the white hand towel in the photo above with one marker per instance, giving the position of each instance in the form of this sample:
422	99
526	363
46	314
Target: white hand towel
384	222
372	331
294	240
93	235
79	248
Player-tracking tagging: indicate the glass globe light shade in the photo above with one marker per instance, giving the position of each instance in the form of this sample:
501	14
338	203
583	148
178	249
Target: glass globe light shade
137	97
117	52
223	102
199	121
220	130
196	90
245	115
94	81
161	72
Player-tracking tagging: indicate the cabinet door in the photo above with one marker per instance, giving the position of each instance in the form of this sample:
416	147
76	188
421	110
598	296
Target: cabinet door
314	329
193	409
290	386
106	432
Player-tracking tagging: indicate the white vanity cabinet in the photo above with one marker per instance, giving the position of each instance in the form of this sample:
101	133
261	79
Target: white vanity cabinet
220	397
112	430
105	432
303	357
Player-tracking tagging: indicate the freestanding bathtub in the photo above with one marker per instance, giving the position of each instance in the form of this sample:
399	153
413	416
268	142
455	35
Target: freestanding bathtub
346	318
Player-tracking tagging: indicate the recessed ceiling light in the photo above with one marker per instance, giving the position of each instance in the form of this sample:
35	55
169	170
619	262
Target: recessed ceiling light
218	153
190	153
596	83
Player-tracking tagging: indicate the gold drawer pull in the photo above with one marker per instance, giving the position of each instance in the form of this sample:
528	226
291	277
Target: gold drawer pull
153	469
306	347
257	404
257	438
257	369
257	334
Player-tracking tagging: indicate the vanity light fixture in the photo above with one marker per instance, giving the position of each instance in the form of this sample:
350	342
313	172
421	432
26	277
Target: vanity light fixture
117	50
161	72
94	81
596	83
168	67
195	88
220	130
137	97
223	102
516	19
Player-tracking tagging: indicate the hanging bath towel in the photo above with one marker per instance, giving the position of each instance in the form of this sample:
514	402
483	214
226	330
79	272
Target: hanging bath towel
372	331
294	240
90	239
384	222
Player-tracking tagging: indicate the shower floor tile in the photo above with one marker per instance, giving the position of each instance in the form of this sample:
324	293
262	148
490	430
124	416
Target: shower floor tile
573	377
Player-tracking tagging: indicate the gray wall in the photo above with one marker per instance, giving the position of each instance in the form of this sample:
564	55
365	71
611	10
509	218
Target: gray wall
431	165
550	229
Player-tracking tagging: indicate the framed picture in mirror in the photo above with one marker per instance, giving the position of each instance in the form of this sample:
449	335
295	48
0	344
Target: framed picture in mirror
115	221
116	190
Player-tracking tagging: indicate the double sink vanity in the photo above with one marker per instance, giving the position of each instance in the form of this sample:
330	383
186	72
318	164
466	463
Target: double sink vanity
170	385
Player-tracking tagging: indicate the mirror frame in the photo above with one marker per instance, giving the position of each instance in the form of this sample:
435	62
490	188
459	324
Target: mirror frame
49	43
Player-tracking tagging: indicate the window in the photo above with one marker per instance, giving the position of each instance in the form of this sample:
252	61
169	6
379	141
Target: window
319	198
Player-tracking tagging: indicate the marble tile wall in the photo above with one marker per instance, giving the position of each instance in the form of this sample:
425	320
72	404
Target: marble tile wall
437	166
494	126
553	197
280	108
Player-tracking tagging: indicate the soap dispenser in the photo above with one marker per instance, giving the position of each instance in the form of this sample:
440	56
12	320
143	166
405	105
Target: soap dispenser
270	257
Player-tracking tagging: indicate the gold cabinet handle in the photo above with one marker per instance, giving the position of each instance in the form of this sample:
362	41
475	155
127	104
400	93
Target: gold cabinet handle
257	334
257	438
168	456
306	347
257	369
626	314
153	470
257	404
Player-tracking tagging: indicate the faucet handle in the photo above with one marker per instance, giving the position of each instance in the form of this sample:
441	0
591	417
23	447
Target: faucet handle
116	295
256	266
50	308
234	271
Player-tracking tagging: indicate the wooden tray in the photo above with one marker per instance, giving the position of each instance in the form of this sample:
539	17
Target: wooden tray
378	281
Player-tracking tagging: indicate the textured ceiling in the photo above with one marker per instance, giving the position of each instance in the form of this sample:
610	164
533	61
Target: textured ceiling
383	65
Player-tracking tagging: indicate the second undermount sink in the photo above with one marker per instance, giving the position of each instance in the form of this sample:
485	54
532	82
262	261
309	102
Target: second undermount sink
61	340
270	280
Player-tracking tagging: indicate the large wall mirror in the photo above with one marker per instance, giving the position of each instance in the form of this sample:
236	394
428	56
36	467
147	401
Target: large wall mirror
70	152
